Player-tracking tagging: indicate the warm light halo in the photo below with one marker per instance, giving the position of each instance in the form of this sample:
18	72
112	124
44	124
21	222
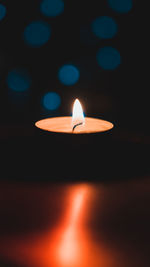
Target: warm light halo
77	113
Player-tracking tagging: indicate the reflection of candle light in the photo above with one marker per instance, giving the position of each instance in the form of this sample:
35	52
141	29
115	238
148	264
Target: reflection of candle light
69	250
71	243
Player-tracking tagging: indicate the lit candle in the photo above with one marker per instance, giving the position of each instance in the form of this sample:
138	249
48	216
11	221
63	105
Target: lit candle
77	124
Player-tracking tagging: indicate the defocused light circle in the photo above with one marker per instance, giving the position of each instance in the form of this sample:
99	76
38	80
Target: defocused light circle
37	33
104	27
68	74
52	8
18	80
51	101
108	58
2	11
121	6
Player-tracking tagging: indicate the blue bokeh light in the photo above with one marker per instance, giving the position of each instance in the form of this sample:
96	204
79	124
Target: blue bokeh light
51	101
37	33
52	8
18	80
104	27
108	58
2	11
68	74
121	6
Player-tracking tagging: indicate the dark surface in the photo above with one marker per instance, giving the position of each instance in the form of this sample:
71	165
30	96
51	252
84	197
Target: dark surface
50	157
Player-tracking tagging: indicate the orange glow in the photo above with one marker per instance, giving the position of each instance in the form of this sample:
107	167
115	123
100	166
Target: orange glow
68	243
77	205
77	114
69	251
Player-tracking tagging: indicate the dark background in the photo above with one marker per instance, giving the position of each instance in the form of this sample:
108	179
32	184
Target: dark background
34	165
121	95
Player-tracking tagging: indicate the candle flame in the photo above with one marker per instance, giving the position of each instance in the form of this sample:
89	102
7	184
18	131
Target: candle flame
77	114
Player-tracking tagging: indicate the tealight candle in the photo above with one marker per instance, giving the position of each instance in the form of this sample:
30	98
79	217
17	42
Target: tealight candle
77	124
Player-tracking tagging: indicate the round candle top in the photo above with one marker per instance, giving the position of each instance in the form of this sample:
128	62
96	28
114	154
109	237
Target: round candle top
76	124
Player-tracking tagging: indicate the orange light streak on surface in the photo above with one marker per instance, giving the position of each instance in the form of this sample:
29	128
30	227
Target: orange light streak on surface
77	205
69	249
69	243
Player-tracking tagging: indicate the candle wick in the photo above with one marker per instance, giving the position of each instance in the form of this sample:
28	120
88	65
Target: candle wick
80	123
